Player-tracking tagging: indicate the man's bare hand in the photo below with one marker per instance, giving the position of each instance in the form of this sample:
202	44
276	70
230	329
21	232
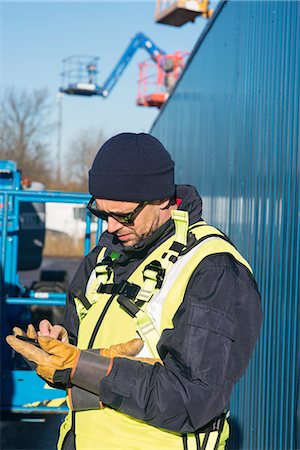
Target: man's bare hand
55	331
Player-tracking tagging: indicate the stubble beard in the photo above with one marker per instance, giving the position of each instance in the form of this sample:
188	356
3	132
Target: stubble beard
137	238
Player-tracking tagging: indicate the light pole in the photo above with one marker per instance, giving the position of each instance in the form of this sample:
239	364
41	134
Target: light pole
59	97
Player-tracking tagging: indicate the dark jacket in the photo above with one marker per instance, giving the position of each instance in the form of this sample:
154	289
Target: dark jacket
207	351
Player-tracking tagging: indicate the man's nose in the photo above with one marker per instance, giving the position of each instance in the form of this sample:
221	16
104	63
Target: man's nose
113	225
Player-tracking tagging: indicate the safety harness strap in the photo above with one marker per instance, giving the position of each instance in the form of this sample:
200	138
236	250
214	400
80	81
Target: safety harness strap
148	332
145	325
205	441
208	437
103	268
130	290
184	442
147	328
82	303
154	273
181	221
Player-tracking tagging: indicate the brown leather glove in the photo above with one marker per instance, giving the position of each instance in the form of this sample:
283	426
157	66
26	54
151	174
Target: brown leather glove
94	364
30	332
55	359
128	350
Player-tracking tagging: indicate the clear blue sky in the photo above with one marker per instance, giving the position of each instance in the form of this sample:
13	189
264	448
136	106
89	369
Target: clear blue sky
36	36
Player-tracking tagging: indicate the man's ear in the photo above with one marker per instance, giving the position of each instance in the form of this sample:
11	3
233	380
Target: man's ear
164	203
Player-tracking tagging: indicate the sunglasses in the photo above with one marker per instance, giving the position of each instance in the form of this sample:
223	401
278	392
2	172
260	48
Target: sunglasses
126	219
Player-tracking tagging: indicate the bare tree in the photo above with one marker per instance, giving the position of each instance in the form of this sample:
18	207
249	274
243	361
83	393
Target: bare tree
80	156
24	127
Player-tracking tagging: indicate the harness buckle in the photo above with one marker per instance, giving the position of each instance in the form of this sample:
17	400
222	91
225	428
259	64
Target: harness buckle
130	290
131	308
155	266
102	269
215	424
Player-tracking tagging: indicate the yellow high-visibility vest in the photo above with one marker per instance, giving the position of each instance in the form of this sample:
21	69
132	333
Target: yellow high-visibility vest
107	428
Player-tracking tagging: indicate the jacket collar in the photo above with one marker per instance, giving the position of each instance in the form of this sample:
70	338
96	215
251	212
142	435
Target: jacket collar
189	201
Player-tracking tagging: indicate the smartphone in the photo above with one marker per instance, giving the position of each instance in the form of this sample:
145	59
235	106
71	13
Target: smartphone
29	340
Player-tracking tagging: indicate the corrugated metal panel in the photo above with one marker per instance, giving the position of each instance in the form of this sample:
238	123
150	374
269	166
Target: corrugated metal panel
232	126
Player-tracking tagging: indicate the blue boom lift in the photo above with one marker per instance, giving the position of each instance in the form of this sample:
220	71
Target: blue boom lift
80	72
156	80
21	390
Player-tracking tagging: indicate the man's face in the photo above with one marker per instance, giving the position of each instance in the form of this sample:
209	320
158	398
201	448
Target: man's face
146	222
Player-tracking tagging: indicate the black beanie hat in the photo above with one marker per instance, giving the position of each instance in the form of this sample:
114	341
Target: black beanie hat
132	167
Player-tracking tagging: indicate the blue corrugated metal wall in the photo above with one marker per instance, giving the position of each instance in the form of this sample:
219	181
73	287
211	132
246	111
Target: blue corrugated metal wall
232	126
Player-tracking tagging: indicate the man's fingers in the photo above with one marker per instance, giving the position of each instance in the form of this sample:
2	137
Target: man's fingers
130	348
31	332
45	328
151	361
53	346
60	333
18	332
47	343
55	331
60	355
27	350
133	347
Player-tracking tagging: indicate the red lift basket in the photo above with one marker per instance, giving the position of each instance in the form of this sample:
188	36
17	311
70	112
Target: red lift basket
157	80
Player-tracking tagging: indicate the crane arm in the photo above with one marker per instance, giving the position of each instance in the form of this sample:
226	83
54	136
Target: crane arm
139	41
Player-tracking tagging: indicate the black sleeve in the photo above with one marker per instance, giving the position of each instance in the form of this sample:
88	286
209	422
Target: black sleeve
70	319
80	280
207	351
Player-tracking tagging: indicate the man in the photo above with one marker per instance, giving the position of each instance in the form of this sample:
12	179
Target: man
162	316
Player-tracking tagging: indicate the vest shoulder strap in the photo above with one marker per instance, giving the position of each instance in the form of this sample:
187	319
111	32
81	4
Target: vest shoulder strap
82	302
